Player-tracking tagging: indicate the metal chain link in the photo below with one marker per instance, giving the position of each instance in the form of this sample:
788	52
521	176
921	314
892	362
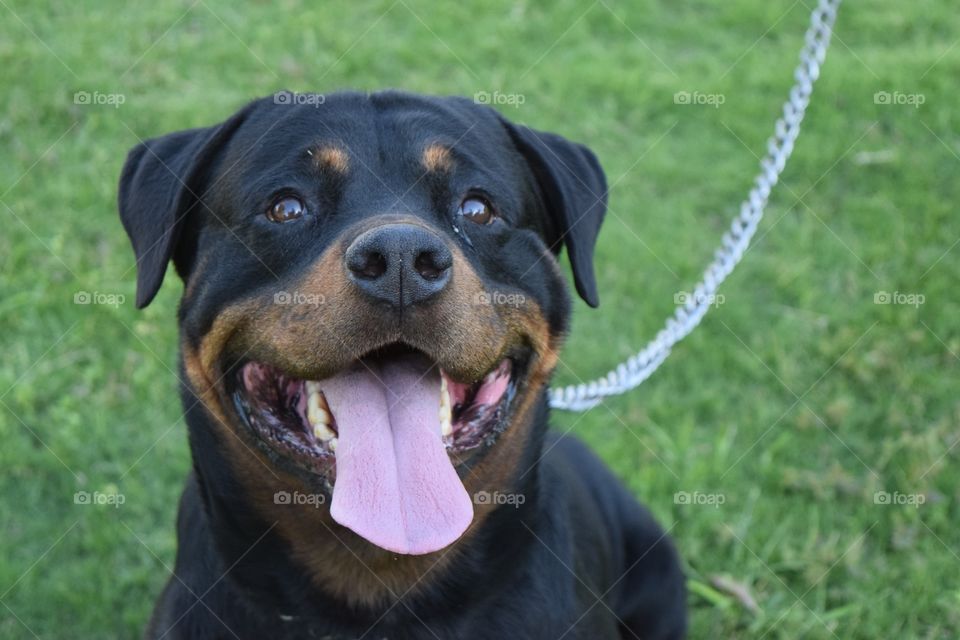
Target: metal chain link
735	241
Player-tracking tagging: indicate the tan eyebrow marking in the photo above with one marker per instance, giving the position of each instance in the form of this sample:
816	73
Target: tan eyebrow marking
330	156
437	157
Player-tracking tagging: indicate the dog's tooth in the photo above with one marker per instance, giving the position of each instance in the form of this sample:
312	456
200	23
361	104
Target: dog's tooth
323	401
446	415
444	394
324	433
321	416
317	411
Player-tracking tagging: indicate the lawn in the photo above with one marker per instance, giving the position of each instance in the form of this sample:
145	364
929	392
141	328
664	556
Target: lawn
799	398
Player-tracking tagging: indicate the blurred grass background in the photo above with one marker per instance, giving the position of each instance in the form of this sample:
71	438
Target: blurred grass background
796	401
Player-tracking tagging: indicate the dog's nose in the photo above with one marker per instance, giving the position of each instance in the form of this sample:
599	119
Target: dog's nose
400	264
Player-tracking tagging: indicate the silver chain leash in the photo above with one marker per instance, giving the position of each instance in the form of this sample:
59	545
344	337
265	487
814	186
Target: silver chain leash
637	368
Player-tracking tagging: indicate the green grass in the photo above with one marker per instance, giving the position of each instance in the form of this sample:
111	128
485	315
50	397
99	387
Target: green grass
796	400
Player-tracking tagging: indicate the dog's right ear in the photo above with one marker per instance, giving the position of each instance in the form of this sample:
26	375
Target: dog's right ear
162	183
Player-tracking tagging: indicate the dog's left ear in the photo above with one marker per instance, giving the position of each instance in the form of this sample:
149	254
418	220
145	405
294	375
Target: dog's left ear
161	186
574	188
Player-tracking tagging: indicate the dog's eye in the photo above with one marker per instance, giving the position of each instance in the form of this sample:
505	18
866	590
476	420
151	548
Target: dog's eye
477	210
286	209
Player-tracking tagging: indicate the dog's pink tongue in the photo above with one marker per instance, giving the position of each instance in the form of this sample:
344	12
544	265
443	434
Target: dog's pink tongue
395	484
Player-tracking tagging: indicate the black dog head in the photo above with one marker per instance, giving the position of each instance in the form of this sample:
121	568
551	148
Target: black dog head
165	180
356	266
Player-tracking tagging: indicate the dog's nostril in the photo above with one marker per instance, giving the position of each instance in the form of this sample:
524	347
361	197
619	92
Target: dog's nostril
370	266
429	266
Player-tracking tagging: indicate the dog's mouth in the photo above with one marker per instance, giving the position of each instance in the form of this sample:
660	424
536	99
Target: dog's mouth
295	415
384	434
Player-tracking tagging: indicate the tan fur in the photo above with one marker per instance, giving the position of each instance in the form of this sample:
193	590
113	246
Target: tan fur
332	157
437	158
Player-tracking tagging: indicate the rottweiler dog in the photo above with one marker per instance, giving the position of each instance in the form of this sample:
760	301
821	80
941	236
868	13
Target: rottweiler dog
372	309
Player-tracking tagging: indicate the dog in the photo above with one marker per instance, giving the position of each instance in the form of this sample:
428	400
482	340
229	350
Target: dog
372	309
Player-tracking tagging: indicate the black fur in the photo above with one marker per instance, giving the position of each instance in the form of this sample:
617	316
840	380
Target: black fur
580	558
